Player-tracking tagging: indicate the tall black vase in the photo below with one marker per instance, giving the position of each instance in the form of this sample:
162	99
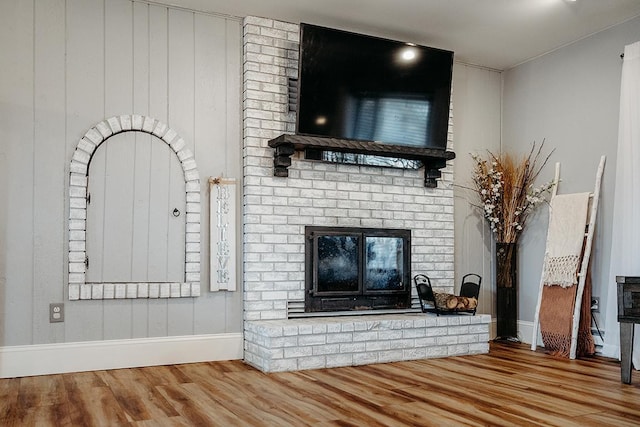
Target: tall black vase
507	292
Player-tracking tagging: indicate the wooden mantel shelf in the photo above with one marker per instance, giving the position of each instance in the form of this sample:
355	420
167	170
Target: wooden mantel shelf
285	145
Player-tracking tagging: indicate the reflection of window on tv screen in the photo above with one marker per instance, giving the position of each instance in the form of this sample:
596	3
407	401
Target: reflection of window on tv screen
391	119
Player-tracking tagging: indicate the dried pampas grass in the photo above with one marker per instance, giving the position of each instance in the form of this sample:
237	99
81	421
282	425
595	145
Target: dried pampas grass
504	184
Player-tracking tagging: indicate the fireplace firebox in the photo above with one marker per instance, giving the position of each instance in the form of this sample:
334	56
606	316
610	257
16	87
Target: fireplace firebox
351	269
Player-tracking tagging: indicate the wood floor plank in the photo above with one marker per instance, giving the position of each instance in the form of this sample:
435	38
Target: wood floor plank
604	419
138	399
299	391
191	406
161	375
9	389
348	406
91	402
163	422
510	386
422	414
346	381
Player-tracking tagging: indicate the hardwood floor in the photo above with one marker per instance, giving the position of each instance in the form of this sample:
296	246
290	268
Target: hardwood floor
511	386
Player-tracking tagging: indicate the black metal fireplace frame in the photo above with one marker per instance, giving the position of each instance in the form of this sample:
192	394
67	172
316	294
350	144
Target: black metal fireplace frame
364	299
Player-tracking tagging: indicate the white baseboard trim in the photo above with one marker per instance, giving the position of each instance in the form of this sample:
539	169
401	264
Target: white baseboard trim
525	332
45	359
612	351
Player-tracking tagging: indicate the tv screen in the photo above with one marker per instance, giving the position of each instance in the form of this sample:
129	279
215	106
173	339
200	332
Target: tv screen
360	87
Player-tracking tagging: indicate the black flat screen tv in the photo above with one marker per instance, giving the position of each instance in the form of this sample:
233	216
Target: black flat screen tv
353	86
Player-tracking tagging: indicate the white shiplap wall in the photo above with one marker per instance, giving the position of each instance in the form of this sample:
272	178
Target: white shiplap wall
477	98
66	65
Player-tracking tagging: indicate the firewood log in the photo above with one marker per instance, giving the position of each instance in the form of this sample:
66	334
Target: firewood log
446	301
452	302
443	300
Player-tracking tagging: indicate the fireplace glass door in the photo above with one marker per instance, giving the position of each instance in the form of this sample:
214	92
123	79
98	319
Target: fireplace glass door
357	269
384	264
338	259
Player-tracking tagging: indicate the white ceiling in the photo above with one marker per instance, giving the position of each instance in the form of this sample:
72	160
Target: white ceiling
498	34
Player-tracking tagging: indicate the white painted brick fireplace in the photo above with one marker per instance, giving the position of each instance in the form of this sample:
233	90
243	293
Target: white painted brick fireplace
277	209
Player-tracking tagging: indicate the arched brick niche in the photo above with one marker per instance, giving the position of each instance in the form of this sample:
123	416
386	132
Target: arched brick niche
79	289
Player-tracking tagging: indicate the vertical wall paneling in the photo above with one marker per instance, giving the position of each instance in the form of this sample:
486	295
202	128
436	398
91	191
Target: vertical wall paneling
143	144
17	125
109	219
69	65
211	92
161	162
6	39
85	106
49	176
158	105
233	144
181	93
120	163
209	117
119	149
477	104
141	57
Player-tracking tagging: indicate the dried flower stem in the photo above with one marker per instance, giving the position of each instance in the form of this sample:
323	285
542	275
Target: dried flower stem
505	187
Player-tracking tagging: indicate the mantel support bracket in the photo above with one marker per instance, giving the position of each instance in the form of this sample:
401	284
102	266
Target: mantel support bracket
282	159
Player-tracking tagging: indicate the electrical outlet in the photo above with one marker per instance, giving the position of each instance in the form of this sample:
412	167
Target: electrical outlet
56	312
595	304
